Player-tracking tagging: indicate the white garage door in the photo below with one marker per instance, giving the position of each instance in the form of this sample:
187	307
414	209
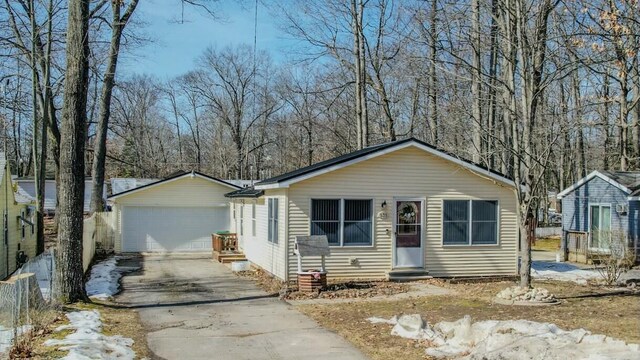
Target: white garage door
169	229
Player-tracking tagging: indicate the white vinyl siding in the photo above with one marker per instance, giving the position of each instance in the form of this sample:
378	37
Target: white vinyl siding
407	173
258	249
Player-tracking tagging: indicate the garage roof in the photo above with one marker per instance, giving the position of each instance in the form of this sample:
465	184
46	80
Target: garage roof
174	177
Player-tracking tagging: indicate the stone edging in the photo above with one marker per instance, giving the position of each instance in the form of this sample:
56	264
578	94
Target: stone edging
525	303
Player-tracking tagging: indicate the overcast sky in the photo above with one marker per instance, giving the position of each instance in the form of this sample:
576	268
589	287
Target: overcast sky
176	45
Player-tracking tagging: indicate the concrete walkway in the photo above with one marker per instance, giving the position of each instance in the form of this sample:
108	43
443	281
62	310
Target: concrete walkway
195	308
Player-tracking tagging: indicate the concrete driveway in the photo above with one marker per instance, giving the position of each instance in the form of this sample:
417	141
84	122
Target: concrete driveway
195	308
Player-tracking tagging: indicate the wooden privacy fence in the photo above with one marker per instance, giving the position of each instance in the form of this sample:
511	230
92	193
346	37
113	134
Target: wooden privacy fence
98	233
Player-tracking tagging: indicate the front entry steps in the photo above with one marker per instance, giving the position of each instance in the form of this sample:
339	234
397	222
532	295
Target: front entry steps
226	257
400	275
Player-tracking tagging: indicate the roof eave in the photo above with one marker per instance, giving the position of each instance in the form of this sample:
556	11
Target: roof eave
588	178
285	183
168	180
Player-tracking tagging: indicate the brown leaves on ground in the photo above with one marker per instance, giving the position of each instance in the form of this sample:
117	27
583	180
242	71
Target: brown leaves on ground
334	290
596	309
352	290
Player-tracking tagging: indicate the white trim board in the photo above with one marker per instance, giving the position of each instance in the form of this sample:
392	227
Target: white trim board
161	182
588	178
473	168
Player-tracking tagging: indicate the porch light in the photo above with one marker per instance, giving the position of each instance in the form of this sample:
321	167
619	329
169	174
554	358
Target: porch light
384	204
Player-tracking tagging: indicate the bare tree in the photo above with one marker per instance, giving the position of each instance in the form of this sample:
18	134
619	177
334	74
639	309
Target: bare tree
69	274
118	24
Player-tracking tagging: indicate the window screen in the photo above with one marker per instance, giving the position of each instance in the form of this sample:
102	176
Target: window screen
325	219
455	222
357	222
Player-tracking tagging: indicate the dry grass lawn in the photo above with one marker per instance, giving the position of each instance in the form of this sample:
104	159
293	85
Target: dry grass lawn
116	321
617	316
547	244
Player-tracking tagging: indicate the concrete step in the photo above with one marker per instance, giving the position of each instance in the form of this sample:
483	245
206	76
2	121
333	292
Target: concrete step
227	260
408	275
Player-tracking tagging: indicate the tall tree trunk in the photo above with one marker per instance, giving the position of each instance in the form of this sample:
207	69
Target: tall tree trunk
577	103
39	133
476	88
363	76
100	144
358	74
69	273
433	76
493	84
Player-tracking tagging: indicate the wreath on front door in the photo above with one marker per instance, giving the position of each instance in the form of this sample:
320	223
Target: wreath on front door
408	213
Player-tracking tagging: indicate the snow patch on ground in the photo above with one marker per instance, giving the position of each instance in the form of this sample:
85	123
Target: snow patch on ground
88	342
512	339
562	272
6	336
104	280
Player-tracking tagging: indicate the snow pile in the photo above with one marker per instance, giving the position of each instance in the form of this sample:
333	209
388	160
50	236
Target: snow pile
6	336
512	339
104	280
562	272
88	342
517	293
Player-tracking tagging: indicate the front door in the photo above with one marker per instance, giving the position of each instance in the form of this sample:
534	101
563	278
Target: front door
408	230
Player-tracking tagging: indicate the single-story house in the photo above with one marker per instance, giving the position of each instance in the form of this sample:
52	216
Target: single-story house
403	206
27	190
175	214
19	239
603	206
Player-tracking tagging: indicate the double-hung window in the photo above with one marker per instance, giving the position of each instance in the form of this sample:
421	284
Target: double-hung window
345	222
272	218
253	219
241	219
470	222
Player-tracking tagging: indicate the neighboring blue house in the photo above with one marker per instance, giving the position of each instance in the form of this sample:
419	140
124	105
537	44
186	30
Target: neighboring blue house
601	204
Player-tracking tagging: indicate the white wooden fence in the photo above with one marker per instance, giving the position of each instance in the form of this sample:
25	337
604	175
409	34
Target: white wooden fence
98	233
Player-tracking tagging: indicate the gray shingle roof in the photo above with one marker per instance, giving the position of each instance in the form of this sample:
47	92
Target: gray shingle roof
630	179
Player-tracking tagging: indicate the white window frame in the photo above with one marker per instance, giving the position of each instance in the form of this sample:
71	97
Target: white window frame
470	222
272	220
599	206
341	221
253	219
241	219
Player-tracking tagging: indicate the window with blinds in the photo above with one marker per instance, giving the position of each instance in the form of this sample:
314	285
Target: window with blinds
345	222
470	222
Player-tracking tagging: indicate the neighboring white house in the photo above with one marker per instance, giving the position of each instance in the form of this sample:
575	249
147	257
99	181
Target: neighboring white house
391	208
26	190
175	214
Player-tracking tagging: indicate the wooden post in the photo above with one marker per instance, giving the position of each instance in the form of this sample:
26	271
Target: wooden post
322	263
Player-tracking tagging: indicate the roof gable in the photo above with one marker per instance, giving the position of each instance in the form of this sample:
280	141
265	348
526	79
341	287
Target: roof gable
284	180
171	179
609	177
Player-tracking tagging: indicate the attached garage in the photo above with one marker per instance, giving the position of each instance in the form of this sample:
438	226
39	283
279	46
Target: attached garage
177	214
